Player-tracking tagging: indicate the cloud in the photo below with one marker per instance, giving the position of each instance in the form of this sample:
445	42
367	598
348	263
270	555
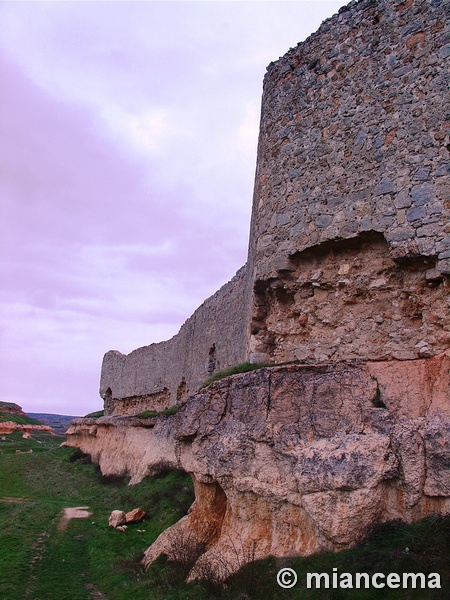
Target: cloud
128	137
150	130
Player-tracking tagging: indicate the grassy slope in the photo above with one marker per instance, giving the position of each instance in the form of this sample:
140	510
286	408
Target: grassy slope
21	419
12	412
39	562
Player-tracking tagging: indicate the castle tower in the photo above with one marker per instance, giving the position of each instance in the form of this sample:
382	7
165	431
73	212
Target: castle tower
350	236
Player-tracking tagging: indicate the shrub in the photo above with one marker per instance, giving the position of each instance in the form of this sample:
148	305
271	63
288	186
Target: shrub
95	415
149	414
241	368
79	456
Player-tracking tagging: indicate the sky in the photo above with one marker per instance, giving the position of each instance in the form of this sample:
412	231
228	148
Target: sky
128	135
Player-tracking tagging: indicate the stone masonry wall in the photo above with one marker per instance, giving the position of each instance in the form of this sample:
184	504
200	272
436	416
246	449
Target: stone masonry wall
349	253
354	135
350	236
160	375
350	300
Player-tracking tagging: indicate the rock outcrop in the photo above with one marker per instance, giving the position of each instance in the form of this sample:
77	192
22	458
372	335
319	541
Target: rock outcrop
11	408
291	459
12	418
7	427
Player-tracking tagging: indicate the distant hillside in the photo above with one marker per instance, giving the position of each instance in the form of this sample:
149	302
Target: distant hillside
11	407
13	412
60	423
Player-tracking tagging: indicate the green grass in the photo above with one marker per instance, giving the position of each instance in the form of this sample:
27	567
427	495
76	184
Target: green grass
21	419
148	414
244	368
39	442
95	415
39	562
241	368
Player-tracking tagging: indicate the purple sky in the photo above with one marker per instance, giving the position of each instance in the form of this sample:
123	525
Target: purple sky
128	135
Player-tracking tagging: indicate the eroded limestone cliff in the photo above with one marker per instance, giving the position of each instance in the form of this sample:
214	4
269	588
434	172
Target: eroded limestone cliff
291	459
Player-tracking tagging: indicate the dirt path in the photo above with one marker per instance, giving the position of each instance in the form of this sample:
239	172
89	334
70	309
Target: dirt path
37	550
78	512
7	499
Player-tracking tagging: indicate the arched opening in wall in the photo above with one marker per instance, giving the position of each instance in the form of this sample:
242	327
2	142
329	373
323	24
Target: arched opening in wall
211	366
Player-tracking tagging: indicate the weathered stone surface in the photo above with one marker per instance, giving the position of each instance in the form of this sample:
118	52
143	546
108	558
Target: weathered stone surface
135	516
412	392
161	375
355	127
351	300
117	518
437	452
7	427
354	140
123	445
292	459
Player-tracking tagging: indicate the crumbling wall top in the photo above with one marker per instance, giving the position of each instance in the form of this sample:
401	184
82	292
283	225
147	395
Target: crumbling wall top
355	136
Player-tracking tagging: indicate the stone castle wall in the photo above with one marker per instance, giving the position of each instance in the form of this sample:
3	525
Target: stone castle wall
349	251
354	135
350	237
160	375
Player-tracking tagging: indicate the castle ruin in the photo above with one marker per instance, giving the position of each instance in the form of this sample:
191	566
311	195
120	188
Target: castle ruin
349	251
347	281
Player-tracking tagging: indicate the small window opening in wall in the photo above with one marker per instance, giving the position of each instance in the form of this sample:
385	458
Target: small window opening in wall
313	64
212	360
